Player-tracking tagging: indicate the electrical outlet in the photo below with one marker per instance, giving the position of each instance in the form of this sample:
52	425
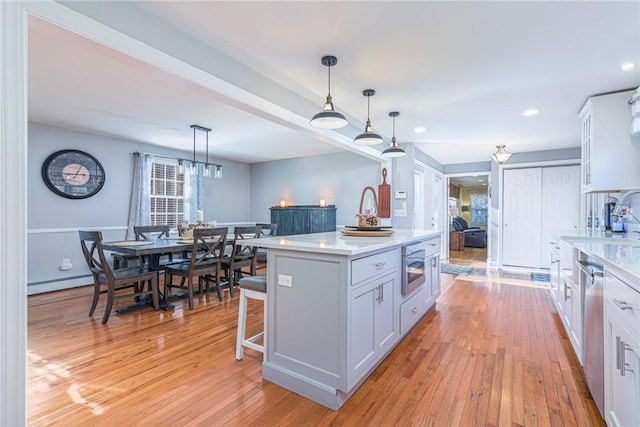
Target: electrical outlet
66	264
284	280
400	212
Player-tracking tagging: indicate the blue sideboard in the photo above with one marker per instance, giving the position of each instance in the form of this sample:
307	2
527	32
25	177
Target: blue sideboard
303	219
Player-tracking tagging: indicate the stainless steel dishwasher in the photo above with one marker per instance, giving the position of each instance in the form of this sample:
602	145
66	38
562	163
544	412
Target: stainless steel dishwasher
591	277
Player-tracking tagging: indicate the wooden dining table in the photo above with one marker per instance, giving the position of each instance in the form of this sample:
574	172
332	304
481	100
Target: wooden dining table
153	250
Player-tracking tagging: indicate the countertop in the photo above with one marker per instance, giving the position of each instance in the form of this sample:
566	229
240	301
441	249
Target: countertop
338	244
618	251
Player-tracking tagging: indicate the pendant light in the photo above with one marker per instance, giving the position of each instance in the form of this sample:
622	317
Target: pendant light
368	137
501	155
394	150
328	118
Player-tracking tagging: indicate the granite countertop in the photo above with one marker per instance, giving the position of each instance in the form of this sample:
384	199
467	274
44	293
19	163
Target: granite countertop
338	244
620	252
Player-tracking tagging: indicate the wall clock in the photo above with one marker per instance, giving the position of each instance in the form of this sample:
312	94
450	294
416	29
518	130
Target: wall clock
73	174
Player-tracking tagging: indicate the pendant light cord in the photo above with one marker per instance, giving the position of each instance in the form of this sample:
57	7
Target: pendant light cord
329	81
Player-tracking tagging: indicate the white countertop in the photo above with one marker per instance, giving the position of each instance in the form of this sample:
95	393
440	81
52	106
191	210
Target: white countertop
338	244
618	251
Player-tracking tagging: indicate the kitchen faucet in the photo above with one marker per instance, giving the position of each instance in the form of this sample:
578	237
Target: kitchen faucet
622	209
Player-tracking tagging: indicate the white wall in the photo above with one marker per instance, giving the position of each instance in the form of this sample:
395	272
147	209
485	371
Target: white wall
53	221
306	180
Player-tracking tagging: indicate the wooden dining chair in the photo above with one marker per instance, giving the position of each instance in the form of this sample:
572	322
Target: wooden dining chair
205	263
106	280
241	257
266	230
148	232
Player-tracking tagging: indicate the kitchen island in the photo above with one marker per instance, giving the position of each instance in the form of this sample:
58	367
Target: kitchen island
335	307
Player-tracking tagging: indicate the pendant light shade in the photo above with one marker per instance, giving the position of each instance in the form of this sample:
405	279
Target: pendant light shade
329	118
394	150
368	137
501	155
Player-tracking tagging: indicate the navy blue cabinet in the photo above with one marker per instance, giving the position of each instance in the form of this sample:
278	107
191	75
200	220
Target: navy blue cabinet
303	219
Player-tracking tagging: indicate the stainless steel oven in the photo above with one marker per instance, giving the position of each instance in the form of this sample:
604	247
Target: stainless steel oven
413	267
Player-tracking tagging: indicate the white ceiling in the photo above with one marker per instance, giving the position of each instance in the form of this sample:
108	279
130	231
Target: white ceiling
464	70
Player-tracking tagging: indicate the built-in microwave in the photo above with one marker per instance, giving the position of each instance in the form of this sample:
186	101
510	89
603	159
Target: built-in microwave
413	267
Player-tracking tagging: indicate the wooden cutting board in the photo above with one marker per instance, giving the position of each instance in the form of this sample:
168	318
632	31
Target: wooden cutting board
384	197
362	233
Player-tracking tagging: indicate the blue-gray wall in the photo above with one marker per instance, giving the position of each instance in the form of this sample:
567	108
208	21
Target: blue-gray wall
306	180
53	221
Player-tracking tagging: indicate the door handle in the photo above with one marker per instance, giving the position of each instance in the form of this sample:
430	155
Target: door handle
622	305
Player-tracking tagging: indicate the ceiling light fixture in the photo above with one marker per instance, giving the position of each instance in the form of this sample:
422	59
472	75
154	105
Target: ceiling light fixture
195	167
530	112
501	155
328	118
394	150
368	137
628	66
420	129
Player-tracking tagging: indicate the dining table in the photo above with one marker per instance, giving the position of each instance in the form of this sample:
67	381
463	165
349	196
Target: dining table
153	250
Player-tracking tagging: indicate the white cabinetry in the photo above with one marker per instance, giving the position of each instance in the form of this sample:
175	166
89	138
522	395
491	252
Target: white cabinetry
373	327
573	301
568	293
432	273
622	352
609	154
554	273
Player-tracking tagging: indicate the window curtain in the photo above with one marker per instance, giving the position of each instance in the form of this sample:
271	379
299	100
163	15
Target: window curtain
193	197
139	206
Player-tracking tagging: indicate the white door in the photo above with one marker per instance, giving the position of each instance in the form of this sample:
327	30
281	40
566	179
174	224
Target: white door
560	203
521	220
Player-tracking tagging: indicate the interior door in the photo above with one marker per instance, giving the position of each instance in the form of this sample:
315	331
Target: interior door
560	203
521	220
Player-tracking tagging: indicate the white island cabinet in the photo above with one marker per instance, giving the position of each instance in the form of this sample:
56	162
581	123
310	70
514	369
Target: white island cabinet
622	352
333	309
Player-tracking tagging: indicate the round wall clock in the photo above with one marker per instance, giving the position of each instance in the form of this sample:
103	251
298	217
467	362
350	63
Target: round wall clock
73	174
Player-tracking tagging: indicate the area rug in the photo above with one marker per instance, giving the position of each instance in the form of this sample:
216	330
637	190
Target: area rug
455	269
541	278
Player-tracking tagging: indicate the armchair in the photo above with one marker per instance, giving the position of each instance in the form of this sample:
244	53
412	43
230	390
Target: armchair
474	237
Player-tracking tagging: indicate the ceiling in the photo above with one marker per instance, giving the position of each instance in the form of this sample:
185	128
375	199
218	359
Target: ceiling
463	70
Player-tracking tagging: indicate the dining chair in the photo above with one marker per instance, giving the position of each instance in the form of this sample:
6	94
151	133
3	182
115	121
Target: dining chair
141	232
205	263
242	256
148	232
106	280
267	230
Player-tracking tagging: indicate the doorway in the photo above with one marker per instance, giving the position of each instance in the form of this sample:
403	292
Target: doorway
468	208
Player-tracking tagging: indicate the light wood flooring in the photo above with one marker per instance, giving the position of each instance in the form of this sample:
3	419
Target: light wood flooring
491	353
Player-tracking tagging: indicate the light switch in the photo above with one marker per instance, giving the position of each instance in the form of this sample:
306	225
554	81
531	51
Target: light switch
284	280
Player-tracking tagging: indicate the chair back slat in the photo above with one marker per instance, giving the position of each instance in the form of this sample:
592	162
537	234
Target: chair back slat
91	243
146	232
267	229
208	246
241	251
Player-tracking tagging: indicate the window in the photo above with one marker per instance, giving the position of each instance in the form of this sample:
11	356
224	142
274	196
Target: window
479	207
167	190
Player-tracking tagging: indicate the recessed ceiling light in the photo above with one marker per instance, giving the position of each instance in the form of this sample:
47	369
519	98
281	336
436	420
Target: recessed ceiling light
628	66
530	112
420	129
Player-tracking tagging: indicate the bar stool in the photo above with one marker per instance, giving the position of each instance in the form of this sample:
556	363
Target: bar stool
250	287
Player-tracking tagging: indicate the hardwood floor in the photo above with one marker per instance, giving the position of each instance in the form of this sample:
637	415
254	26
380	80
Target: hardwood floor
492	352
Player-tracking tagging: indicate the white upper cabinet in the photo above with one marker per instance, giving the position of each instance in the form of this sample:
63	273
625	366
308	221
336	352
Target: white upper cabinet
610	156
